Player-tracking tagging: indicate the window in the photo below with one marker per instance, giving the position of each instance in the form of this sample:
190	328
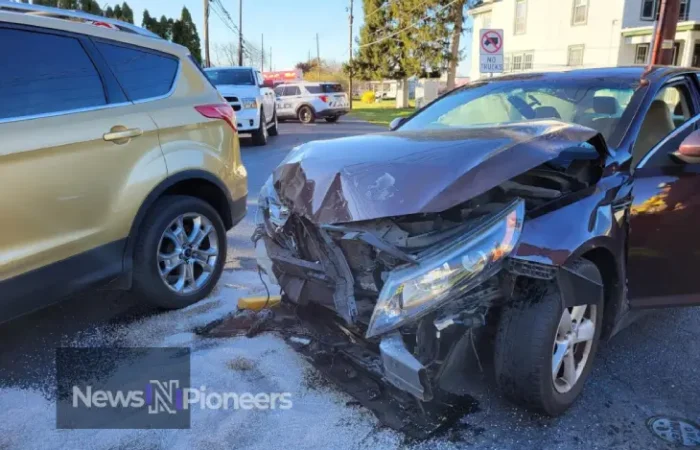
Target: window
597	103
141	74
236	77
292	90
676	53
641	53
575	56
279	91
684	10
520	17
671	108
259	78
45	73
580	12
516	62
650	9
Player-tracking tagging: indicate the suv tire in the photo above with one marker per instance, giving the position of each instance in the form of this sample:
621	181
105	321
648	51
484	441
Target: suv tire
306	115
529	334
148	283
273	131
260	135
333	119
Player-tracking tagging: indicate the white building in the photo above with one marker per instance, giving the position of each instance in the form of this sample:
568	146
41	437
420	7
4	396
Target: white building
558	34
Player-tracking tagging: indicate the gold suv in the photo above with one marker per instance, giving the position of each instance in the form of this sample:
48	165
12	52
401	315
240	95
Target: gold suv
119	162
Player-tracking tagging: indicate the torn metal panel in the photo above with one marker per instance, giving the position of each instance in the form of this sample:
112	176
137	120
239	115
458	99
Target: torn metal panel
400	173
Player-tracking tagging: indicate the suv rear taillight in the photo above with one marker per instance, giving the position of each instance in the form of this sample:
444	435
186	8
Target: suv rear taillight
324	98
221	111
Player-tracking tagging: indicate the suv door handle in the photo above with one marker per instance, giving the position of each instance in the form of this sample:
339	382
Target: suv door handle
121	135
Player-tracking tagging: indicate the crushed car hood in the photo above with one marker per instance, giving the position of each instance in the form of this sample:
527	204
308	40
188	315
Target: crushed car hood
400	173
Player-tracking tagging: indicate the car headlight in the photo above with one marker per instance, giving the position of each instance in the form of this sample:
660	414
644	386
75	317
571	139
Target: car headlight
249	103
448	272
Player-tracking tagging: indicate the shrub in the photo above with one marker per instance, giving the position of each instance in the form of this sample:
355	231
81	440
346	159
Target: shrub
368	97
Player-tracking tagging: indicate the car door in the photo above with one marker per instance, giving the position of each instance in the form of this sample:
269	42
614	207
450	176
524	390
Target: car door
69	143
664	243
268	96
286	100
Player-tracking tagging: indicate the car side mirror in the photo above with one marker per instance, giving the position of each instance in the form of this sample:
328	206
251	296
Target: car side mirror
396	123
689	151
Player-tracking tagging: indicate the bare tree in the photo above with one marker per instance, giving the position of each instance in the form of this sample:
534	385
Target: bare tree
226	54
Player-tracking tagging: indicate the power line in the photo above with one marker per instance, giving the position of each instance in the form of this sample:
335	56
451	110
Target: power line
406	28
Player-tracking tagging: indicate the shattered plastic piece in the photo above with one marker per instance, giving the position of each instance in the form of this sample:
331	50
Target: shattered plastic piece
258	303
300	340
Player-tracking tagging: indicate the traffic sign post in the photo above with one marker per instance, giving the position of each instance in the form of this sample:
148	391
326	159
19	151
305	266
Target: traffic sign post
491	51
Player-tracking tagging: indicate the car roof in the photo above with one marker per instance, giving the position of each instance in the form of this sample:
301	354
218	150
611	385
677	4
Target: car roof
86	24
629	73
230	68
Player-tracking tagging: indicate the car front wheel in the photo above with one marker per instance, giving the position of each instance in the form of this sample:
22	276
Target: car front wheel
179	253
544	352
260	135
274	131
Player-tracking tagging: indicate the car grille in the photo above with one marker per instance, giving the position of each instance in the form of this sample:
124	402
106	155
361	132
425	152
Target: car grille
236	107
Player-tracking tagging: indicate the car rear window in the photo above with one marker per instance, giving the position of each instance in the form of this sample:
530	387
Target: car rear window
234	77
325	88
141	73
44	73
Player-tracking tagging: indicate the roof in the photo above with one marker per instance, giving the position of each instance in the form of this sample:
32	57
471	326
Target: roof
229	68
71	15
85	24
629	73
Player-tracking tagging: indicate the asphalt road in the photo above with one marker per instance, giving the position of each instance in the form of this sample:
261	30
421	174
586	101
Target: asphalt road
650	369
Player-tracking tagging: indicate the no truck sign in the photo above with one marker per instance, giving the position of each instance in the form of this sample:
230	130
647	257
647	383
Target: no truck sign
491	51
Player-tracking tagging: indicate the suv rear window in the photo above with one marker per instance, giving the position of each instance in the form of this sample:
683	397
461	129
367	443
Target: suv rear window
44	73
325	88
142	74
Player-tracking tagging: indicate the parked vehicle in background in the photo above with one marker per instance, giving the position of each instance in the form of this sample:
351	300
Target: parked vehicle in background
308	101
119	162
552	207
254	103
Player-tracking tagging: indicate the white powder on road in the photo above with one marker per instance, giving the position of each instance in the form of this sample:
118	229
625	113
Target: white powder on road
319	417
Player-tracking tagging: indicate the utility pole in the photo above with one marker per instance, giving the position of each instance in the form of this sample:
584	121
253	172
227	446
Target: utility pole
270	59
207	62
318	58
240	32
262	53
350	49
665	33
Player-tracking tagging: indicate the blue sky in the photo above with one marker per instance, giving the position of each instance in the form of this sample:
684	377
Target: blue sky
289	26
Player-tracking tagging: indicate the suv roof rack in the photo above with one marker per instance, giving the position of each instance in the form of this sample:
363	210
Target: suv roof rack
74	16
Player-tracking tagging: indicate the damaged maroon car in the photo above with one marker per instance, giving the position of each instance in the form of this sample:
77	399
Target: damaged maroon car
554	206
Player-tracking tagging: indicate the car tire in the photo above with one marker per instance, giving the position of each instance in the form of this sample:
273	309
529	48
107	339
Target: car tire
273	131
332	119
306	115
529	334
260	135
148	282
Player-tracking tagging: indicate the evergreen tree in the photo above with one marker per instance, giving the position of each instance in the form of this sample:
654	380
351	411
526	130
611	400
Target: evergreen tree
403	39
184	32
127	13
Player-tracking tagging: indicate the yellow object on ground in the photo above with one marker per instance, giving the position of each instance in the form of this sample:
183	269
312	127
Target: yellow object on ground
258	303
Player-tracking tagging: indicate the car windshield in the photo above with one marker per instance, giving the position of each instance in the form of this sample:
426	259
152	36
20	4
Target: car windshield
237	77
598	104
